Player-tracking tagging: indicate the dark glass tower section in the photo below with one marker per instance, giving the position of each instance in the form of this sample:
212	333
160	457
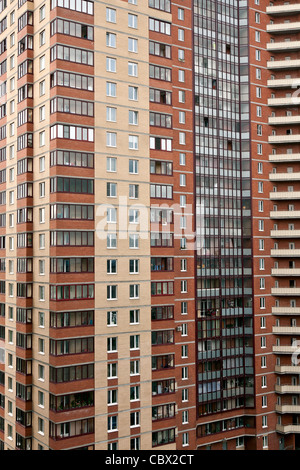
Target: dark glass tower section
223	203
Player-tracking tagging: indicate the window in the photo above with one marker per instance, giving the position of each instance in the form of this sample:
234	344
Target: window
264	421
42	12
111	240
111	266
111	191
41	372
112	397
111	64
159	26
133	117
181	55
133	142
132	69
41	399
112	344
41	319
112	318
133	167
42	87
164	5
42	38
134	342
135	393
133	191
42	112
111	15
112	423
181	96
112	370
111	114
111	89
180	14
134	367
111	164
160	73
132	45
135	419
134	316
112	292
134	291
111	39
132	21
133	93
111	139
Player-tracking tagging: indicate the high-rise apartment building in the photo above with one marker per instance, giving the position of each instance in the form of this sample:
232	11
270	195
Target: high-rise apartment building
149	188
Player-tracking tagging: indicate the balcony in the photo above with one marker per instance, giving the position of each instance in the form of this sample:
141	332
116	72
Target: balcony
285	233
283	64
283	120
288	349
285	157
288	428
286	330
284	195
285	100
283	46
291	272
287	369
285	253
283	27
285	214
283	10
287	388
286	291
286	310
284	139
287	408
295	176
284	82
